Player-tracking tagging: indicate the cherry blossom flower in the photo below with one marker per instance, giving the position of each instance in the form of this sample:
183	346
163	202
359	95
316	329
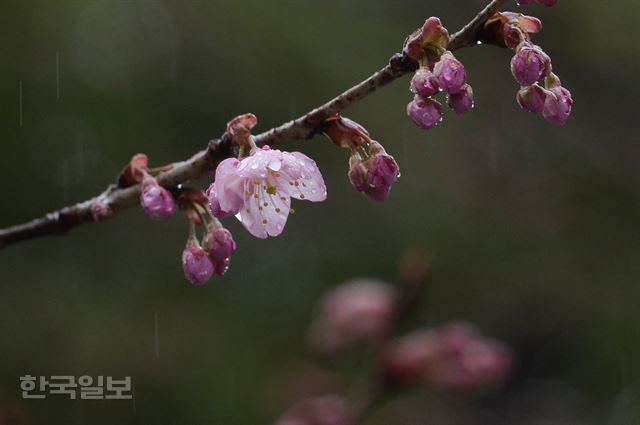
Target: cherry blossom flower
258	189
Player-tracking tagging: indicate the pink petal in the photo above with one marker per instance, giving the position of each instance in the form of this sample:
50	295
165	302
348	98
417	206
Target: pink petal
229	186
306	180
264	214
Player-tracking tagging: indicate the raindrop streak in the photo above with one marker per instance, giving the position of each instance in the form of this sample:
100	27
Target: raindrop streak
20	102
57	75
157	334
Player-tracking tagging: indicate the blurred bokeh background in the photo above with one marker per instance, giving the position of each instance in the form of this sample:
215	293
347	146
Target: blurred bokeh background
533	230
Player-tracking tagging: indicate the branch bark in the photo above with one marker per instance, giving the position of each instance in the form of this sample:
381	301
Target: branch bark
202	163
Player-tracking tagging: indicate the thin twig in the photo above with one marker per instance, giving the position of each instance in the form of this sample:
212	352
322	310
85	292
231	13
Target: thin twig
204	162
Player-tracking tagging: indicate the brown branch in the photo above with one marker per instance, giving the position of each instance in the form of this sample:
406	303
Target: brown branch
62	221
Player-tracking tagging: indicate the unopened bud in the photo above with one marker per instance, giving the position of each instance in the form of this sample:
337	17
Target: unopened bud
424	83
450	73
196	264
426	113
461	102
157	202
530	64
532	98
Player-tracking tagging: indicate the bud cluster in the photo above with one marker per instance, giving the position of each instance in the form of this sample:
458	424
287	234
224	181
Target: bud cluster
201	260
540	89
439	71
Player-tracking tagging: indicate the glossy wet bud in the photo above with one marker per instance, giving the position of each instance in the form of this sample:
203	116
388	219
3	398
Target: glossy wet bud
530	64
424	83
219	243
196	264
426	113
462	102
157	202
558	105
450	73
375	175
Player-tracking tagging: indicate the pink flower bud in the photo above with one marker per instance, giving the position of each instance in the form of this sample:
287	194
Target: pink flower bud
453	358
450	73
557	105
548	3
532	98
357	313
375	175
219	244
530	64
462	102
100	211
424	83
326	410
196	264
426	113
157	202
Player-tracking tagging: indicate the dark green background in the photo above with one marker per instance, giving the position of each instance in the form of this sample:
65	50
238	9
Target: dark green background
533	230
